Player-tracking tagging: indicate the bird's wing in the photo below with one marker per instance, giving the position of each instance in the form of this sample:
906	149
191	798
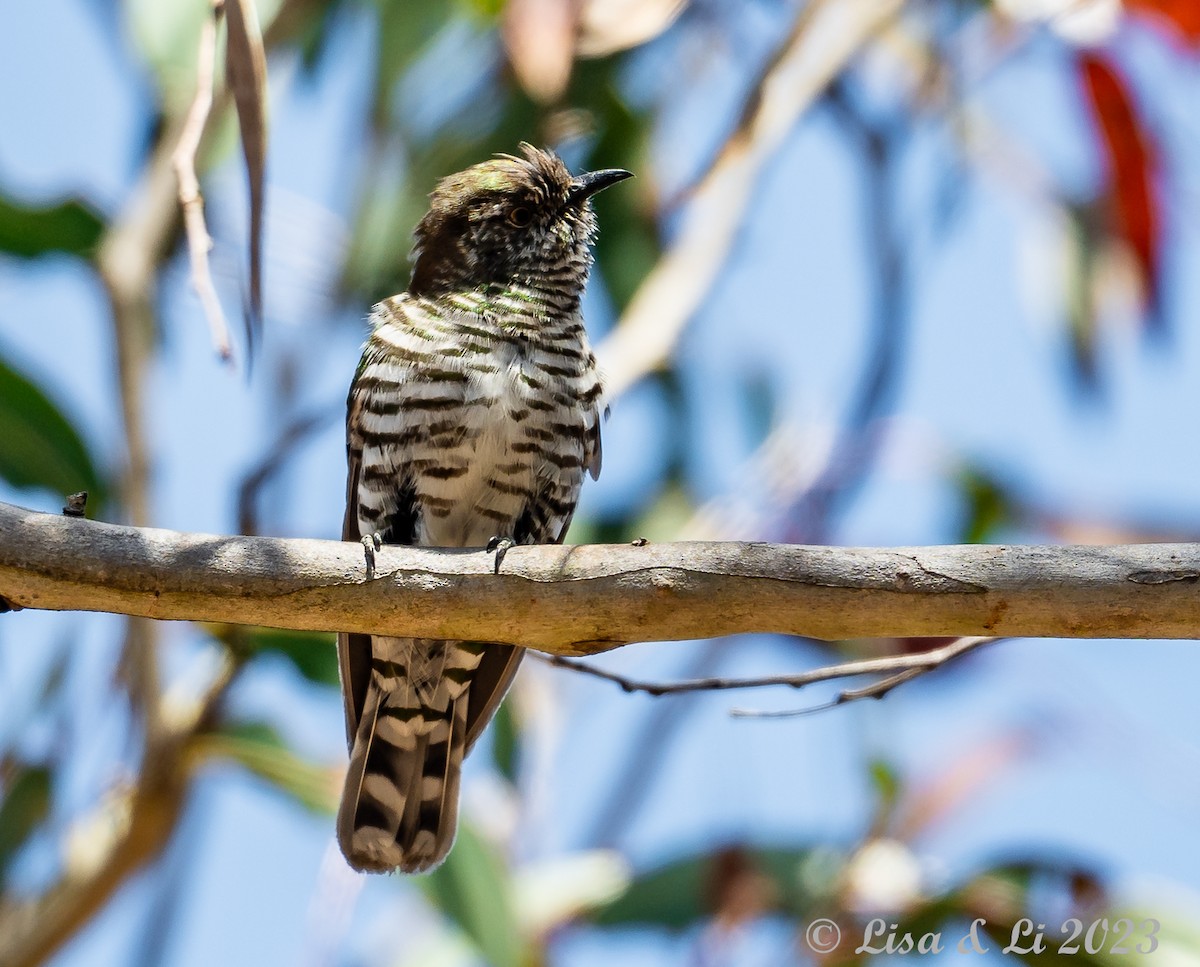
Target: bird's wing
354	651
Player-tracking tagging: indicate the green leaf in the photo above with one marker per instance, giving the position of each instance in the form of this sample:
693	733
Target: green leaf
259	748
30	231
404	29
25	804
38	445
168	38
474	890
988	506
313	653
886	782
627	246
505	742
675	896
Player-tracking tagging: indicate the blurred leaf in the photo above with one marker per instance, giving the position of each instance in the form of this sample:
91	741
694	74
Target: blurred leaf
612	25
941	796
540	38
167	34
738	891
664	519
486	8
760	405
505	742
70	226
313	653
404	29
40	447
246	78
1082	257
627	246
377	265
473	889
676	896
25	805
1182	16
258	747
886	783
1130	153
550	893
315	37
988	507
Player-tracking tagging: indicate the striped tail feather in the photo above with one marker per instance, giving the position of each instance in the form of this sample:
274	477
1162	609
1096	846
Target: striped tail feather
399	807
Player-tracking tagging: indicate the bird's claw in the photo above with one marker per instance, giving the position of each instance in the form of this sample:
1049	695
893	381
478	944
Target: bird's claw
371	543
499	546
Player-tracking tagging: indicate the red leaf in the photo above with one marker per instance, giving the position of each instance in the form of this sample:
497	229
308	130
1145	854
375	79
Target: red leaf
1130	153
1182	15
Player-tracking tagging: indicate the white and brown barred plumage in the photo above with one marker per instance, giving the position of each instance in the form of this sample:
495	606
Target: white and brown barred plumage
474	414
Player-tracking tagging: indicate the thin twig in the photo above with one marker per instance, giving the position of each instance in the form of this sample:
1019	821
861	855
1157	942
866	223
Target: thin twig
900	668
919	664
191	201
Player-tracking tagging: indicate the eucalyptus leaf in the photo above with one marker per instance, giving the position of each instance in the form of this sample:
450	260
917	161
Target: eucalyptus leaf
677	896
505	742
312	653
38	445
25	804
259	748
474	890
30	230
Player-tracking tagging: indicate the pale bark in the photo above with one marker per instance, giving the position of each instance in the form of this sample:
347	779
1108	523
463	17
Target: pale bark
579	600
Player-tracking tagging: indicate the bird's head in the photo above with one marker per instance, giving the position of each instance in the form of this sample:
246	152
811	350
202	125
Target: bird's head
508	220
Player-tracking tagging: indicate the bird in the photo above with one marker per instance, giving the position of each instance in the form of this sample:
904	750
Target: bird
472	418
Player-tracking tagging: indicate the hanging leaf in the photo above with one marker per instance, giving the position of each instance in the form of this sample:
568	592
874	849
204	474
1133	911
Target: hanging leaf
1083	241
38	445
505	742
246	77
25	804
540	38
474	890
552	892
404	30
1130	154
30	231
680	894
259	748
312	653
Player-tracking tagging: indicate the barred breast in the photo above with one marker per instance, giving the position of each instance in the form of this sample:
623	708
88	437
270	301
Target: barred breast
489	428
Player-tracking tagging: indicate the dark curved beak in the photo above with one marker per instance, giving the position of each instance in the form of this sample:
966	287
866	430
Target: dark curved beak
587	184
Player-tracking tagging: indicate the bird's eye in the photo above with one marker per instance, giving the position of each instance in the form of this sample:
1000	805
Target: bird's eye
520	217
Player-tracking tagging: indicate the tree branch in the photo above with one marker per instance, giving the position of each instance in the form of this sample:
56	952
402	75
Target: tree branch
582	600
826	36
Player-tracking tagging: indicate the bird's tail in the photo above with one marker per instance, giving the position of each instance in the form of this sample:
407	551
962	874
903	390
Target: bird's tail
400	805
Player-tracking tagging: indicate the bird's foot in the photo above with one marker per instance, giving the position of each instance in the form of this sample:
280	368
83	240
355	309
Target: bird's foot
371	543
499	546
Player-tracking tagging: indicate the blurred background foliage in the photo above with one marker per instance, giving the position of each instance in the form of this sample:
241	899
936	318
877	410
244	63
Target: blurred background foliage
818	184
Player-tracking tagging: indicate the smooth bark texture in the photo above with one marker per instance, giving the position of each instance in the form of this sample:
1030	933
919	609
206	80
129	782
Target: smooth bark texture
580	600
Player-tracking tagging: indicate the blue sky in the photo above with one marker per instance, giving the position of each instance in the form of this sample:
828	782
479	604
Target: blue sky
1111	775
